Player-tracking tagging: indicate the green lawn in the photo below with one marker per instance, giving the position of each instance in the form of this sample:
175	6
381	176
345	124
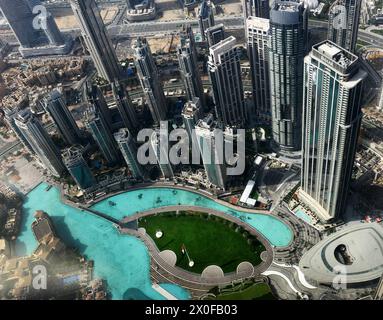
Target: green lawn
259	291
208	240
380	32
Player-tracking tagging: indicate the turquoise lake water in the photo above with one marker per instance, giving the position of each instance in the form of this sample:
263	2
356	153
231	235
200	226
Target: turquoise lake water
123	261
132	202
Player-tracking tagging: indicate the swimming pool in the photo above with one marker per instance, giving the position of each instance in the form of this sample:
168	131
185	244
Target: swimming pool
132	202
301	213
123	261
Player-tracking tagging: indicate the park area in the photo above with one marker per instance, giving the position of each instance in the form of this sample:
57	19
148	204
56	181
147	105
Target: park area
248	290
208	240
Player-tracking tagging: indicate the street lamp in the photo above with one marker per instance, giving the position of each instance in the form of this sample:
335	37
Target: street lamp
184	251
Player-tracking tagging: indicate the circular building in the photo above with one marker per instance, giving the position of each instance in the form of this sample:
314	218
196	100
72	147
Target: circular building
350	256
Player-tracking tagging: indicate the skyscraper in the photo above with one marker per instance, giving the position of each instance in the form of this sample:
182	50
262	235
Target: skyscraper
225	75
128	149
205	17
36	32
343	22
331	120
256	8
149	78
10	115
161	153
191	114
40	141
96	98
4	49
55	105
215	34
77	167
96	39
288	28
212	155
380	101
102	135
125	107
187	57
257	46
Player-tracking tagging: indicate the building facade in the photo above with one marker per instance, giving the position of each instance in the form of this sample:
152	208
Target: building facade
212	154
56	106
215	34
40	141
225	75
96	39
191	114
256	8
205	17
95	97
257	47
343	19
188	65
287	49
102	135
125	107
10	115
162	156
77	167
128	149
150	81
36	31
331	120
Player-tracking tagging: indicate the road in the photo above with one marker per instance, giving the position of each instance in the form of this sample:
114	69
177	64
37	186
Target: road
152	28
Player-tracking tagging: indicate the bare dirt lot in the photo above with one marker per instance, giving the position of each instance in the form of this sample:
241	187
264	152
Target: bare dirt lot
69	21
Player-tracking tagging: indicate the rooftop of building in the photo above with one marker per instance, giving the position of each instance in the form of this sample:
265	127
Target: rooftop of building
222	47
287	6
257	23
204	9
190	107
122	134
207	123
286	12
72	152
334	56
356	251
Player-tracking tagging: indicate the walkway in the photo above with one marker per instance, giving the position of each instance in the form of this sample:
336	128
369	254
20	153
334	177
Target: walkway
163	292
301	276
100	214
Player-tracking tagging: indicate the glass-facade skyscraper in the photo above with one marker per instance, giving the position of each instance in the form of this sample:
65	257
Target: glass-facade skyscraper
40	141
77	167
225	75
149	78
343	23
35	30
96	39
102	135
188	62
331	120
56	106
288	36
257	30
